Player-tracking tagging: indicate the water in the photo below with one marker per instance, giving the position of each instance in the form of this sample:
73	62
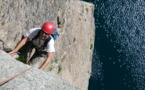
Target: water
118	59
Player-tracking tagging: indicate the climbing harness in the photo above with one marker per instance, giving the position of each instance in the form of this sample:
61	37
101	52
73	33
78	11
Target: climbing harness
7	80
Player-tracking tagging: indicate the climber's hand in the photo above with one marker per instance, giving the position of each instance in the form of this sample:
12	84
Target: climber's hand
12	53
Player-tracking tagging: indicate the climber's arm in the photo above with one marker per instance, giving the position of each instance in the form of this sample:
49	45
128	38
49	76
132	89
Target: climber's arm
19	46
48	59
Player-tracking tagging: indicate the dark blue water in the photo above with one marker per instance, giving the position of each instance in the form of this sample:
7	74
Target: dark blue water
118	58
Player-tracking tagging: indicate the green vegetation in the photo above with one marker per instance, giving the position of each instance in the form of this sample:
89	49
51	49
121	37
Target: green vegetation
74	39
59	23
59	69
60	26
56	61
91	46
63	59
50	69
87	9
21	58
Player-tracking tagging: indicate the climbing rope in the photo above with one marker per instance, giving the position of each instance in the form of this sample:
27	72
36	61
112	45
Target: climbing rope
5	81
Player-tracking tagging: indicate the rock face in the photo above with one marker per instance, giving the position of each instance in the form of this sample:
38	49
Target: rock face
75	23
33	79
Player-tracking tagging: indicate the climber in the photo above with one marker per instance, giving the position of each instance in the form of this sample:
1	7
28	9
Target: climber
43	42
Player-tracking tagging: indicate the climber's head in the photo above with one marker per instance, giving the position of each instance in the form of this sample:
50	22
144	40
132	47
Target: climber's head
46	30
48	27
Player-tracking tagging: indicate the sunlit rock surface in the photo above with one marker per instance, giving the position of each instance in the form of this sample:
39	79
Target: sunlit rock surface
75	23
33	79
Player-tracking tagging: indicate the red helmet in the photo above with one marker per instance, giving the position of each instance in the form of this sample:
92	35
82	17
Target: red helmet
48	27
